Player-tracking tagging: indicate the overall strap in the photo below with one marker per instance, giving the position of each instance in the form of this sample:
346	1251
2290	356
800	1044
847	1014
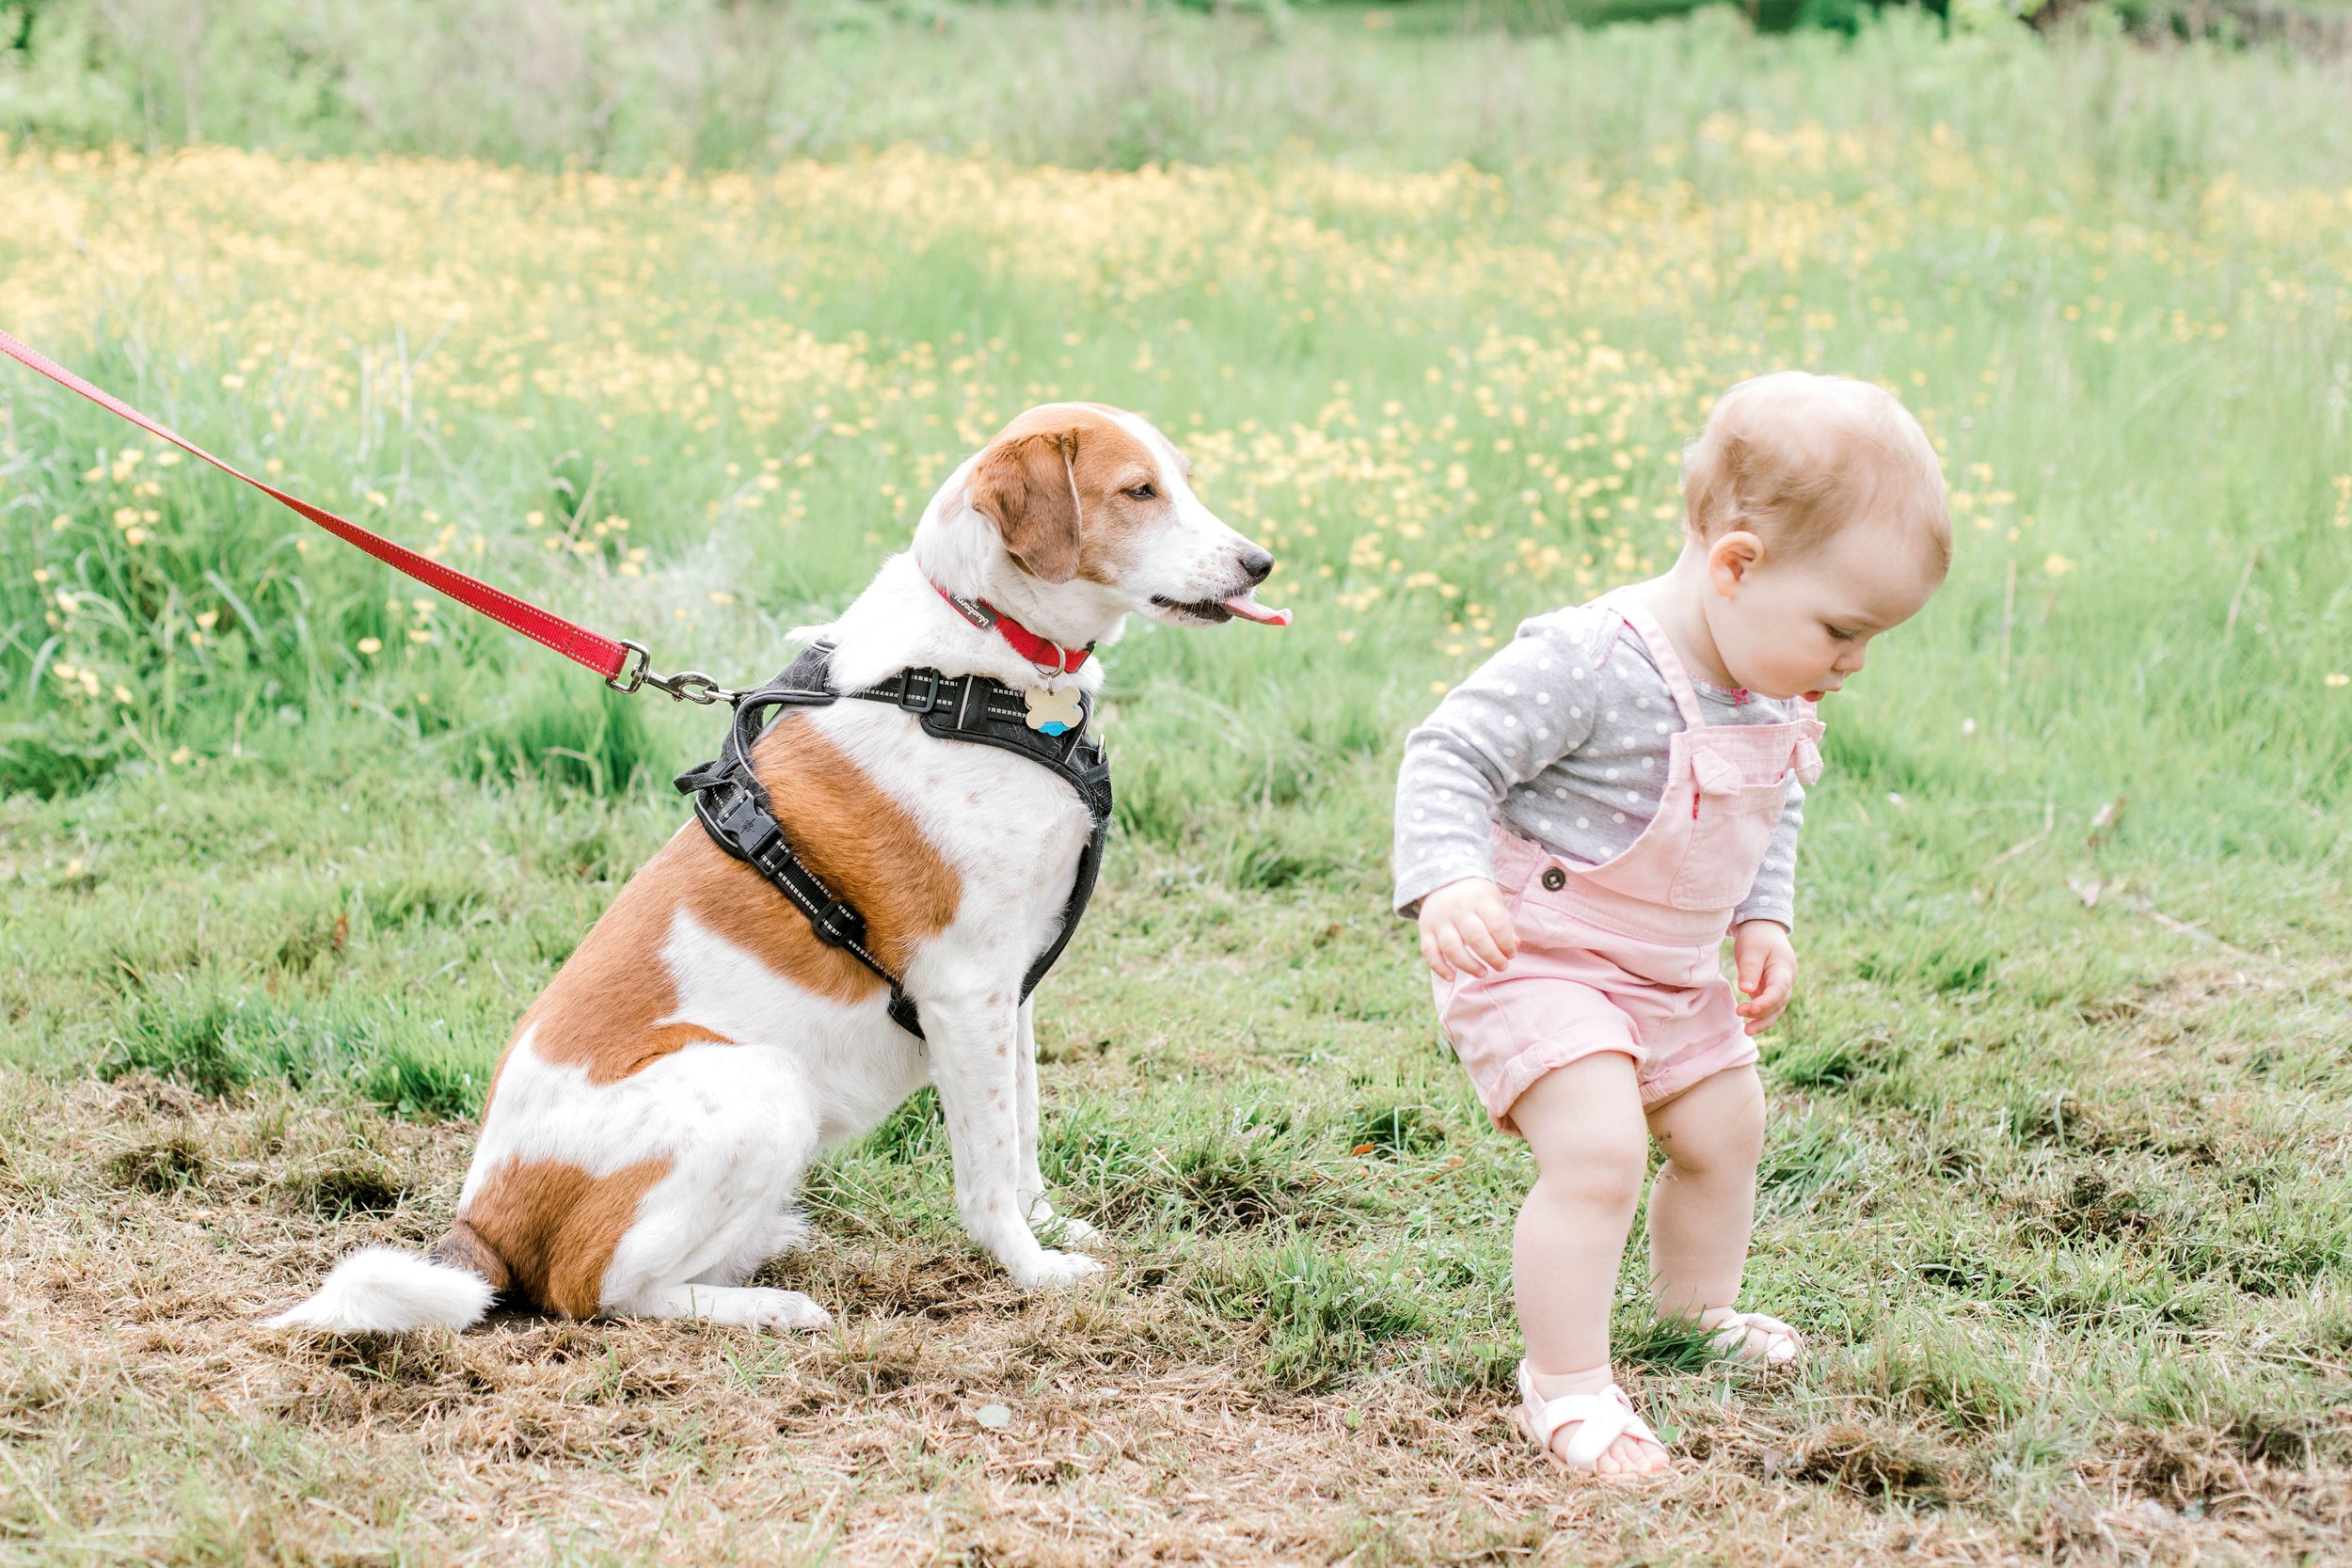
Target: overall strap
1662	649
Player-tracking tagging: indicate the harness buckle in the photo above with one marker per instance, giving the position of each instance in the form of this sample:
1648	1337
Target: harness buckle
929	700
741	820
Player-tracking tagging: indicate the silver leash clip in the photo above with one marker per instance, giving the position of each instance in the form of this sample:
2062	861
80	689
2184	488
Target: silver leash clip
687	686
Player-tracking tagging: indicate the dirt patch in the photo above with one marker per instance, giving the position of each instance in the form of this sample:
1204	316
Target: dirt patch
164	1166
1899	1466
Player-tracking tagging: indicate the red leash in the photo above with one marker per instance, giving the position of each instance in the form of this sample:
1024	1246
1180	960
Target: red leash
624	665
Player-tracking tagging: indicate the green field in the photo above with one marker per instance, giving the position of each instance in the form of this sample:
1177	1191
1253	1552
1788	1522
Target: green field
2056	1181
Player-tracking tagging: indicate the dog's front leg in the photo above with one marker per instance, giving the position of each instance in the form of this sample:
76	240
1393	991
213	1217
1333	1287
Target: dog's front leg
1043	1219
977	1045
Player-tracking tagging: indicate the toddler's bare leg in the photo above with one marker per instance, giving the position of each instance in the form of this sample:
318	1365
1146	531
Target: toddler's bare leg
1703	1207
1583	1124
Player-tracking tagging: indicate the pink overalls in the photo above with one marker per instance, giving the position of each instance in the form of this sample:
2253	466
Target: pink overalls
1627	956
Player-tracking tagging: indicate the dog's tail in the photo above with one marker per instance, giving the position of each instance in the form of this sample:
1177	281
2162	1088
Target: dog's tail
384	1291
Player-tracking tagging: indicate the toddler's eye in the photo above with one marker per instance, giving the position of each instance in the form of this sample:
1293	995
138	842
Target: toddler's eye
1837	633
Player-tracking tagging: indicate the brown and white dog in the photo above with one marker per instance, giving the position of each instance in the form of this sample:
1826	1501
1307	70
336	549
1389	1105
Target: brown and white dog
649	1124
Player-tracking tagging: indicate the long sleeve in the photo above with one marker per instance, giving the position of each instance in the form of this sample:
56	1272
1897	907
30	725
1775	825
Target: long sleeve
1775	894
1513	717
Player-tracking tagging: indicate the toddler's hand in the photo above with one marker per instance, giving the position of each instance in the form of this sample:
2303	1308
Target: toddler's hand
1465	925
1767	962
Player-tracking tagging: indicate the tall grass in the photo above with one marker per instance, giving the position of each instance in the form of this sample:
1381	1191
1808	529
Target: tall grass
699	410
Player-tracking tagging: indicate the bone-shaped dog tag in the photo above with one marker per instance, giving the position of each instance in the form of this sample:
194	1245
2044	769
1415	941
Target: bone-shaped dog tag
1053	710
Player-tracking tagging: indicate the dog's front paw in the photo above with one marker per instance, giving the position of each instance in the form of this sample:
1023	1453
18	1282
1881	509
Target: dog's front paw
1049	1269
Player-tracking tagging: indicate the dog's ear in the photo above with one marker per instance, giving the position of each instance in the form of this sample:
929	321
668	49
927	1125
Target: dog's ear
1028	488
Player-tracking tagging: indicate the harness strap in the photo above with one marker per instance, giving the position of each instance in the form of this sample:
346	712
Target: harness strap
990	713
735	809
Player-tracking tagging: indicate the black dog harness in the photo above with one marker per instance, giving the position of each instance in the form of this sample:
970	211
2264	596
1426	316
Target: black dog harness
734	810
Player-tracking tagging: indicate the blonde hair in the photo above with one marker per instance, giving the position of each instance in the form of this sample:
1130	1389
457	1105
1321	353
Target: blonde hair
1794	457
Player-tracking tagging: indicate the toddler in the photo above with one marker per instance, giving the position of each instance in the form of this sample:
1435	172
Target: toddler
1583	821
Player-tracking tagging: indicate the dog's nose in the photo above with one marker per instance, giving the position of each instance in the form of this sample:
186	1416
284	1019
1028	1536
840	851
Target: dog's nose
1256	564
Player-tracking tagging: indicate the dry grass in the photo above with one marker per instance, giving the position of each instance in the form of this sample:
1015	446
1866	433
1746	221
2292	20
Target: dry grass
146	1418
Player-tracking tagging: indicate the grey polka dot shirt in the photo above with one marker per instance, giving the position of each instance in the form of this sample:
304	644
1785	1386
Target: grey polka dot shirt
1566	732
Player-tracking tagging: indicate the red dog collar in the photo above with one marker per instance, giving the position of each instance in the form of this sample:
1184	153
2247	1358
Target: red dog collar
1028	644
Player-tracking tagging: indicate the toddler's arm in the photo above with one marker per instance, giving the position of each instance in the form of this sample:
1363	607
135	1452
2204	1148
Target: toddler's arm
1509	721
1761	951
1773	895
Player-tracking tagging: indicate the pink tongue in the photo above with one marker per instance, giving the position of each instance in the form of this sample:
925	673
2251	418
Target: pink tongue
1250	609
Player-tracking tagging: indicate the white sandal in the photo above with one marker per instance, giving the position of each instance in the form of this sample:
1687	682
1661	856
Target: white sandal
1731	1338
1603	1419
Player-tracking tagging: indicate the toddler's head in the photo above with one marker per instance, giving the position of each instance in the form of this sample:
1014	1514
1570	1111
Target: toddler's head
1819	508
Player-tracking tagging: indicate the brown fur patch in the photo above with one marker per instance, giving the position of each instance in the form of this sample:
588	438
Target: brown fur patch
862	844
547	1230
464	1249
555	1226
1024	483
604	1009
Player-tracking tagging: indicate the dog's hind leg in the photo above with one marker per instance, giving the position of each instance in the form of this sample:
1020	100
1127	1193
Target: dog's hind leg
714	1218
786	1232
751	1306
781	1233
1043	1219
646	1281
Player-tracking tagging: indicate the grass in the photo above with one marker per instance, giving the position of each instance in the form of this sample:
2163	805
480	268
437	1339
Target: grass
2055	1177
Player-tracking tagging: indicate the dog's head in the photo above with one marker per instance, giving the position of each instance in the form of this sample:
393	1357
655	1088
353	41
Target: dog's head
1094	501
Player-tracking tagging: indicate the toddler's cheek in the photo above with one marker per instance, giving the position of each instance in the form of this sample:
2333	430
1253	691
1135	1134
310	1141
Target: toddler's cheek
1788	656
1784	680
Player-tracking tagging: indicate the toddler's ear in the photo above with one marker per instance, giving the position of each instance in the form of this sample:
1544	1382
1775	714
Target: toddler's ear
1730	558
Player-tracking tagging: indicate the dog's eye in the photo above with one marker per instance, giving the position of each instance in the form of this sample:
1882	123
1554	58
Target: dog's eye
1142	492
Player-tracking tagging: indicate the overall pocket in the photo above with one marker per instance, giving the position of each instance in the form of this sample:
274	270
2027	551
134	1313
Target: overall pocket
1732	826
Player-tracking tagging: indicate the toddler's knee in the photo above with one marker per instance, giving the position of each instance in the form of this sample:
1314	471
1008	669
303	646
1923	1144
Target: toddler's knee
1724	1131
1600	1172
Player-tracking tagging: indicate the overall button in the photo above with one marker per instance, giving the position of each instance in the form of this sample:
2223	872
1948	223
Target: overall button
1554	878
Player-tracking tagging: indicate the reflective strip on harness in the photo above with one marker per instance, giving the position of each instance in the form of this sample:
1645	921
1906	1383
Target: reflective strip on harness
733	808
